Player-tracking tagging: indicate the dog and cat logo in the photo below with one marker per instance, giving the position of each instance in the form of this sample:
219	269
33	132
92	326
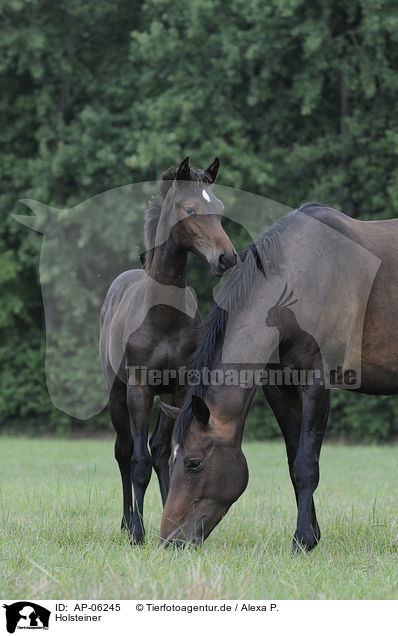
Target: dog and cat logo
26	615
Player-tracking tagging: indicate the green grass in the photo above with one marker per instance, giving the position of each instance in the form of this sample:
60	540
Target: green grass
61	507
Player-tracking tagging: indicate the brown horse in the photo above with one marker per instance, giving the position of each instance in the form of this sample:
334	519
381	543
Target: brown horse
341	331
150	325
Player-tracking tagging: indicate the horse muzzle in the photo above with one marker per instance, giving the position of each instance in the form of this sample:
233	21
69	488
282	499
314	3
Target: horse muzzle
182	535
222	261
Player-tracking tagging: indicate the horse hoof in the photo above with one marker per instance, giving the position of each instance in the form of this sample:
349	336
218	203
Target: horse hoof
298	548
137	538
303	545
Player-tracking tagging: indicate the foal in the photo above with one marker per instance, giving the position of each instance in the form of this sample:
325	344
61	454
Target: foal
150	320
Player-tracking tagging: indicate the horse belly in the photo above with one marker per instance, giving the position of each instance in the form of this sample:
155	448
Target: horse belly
379	359
162	356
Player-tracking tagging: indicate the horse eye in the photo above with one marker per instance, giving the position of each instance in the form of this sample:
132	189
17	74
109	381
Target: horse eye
194	465
190	211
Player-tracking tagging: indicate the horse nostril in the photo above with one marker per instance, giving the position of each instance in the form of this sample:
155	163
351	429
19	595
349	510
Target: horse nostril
222	261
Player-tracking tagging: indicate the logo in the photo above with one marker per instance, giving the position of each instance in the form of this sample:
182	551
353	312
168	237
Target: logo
86	247
26	615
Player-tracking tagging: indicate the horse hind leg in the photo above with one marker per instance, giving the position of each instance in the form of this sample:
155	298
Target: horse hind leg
123	448
139	404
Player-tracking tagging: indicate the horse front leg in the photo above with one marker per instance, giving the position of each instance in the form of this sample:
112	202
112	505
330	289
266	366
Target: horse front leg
139	404
286	405
315	410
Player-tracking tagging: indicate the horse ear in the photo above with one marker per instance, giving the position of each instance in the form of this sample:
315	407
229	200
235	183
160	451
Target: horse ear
200	410
184	170
171	411
212	171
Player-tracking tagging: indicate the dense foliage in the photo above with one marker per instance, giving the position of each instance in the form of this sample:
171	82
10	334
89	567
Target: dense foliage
297	98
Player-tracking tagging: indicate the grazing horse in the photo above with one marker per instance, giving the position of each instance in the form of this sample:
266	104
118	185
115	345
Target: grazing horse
150	322
341	332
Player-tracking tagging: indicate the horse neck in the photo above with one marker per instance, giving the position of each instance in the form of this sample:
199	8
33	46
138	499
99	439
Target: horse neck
230	405
169	264
168	269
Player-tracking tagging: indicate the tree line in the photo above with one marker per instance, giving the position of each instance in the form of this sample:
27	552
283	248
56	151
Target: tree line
297	98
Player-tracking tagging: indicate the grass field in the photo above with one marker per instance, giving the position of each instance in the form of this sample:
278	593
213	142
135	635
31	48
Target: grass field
60	538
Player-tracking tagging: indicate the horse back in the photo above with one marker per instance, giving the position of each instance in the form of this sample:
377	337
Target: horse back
379	352
111	324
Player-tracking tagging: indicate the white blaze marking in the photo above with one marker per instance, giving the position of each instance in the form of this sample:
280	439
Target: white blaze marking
175	452
205	196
